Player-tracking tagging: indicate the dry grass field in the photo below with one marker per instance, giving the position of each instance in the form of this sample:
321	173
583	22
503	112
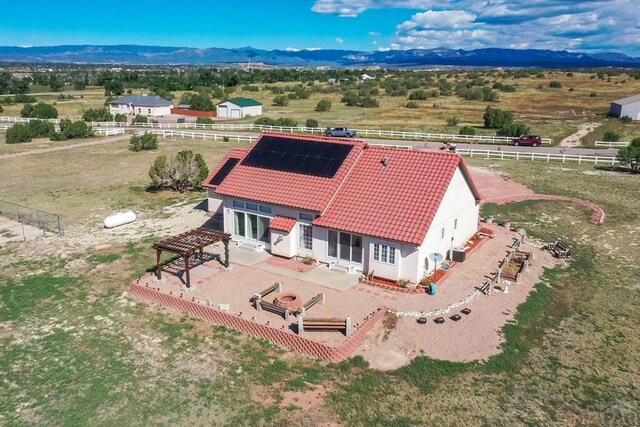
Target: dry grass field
75	351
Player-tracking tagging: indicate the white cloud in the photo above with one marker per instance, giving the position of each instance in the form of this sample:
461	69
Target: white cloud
339	40
292	49
374	33
583	25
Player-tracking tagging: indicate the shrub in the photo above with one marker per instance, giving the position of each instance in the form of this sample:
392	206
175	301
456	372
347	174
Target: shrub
555	84
453	121
418	94
201	102
205	120
351	99
40	128
140	119
626	119
467	130
185	171
22	98
286	122
225	139
571	89
44	111
514	129
593	94
611	136
569	74
369	102
99	115
630	155
412	104
120	118
311	123
73	130
146	141
281	100
18	133
1	109
323	105
265	121
495	118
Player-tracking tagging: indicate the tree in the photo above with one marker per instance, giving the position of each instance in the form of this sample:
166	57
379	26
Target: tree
18	133
323	105
281	100
629	155
467	130
120	118
186	171
97	115
418	94
1	109
611	136
44	111
311	123
140	119
40	128
113	87
201	102
27	111
55	83
146	141
73	130
514	129
555	84
369	102
494	118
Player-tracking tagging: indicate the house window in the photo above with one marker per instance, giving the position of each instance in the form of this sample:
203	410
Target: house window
238	204
384	253
265	209
251	206
442	233
305	216
455	224
306	237
149	110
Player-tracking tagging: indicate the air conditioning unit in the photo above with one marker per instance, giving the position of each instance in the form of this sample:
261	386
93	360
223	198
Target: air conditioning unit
458	254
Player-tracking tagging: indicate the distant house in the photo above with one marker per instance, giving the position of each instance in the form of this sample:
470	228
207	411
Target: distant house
365	77
629	107
143	105
238	108
370	209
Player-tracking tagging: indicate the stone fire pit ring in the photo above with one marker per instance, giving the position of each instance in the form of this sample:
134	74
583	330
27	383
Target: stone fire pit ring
289	301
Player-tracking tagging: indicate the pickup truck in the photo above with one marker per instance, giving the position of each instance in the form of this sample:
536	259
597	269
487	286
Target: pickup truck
340	132
532	140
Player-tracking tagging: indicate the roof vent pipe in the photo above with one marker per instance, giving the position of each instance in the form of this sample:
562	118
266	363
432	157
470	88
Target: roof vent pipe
384	162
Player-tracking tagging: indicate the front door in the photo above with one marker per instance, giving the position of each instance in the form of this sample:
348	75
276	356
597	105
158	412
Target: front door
345	247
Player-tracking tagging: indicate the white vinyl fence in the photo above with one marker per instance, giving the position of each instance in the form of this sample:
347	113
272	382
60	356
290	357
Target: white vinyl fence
611	144
109	132
548	157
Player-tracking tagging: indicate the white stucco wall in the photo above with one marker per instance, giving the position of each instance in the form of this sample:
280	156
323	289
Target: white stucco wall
255	110
458	203
214	202
120	109
143	111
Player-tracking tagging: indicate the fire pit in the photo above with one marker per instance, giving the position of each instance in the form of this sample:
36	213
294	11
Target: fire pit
289	301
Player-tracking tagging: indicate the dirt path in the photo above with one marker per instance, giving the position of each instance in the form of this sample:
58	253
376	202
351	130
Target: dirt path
66	147
575	139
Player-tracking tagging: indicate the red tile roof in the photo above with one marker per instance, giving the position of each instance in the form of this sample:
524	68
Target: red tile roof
234	153
397	202
282	223
289	189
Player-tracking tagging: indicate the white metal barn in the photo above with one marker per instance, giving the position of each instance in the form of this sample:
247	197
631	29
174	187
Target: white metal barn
629	107
238	108
141	105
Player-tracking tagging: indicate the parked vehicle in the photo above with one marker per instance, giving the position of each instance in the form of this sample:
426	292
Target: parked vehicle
340	132
532	140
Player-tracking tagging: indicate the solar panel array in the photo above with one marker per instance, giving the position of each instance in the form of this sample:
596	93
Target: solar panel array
317	158
224	171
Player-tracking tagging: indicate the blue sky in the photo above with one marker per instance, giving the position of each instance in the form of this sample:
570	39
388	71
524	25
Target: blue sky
588	25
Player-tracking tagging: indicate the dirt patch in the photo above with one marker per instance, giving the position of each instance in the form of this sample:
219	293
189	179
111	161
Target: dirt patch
575	139
389	324
304	399
6	330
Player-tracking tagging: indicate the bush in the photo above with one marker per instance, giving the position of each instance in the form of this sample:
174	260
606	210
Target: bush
369	102
418	94
555	84
412	104
323	105
286	122
147	141
140	119
1	109
201	102
593	94
98	115
18	133
453	121
514	129
40	128
281	100
495	118
626	119
185	171
265	121
120	118
467	130
44	111
611	136
311	123
205	120
630	155
22	98
74	130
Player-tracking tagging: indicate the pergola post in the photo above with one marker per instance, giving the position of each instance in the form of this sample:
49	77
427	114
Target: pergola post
186	266
158	266
226	252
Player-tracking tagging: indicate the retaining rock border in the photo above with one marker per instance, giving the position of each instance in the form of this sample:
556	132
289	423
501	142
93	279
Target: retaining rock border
597	217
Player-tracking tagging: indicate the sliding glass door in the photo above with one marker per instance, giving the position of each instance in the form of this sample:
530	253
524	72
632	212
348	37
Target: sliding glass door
251	226
345	246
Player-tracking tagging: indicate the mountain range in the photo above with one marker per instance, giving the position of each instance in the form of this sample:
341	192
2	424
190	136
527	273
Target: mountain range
157	55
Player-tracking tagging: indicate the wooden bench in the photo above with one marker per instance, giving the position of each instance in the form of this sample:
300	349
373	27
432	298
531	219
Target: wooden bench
559	249
272	308
313	301
325	324
277	287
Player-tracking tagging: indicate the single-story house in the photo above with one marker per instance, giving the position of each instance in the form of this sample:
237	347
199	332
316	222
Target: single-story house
629	107
143	105
344	202
237	108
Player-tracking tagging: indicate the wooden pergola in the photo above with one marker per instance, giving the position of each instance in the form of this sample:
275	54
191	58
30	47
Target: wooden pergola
186	244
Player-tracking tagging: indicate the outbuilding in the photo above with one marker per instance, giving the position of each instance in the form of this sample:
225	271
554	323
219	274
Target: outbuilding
345	203
238	108
143	105
629	107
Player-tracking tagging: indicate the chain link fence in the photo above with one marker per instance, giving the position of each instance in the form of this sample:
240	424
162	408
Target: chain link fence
42	220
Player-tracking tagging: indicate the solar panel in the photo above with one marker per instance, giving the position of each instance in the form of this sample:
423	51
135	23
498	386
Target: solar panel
224	171
284	154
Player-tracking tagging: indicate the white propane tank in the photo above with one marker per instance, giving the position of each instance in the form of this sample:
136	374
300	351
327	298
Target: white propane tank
119	219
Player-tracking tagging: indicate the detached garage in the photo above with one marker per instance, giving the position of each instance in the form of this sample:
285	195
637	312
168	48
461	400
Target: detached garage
629	107
238	108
